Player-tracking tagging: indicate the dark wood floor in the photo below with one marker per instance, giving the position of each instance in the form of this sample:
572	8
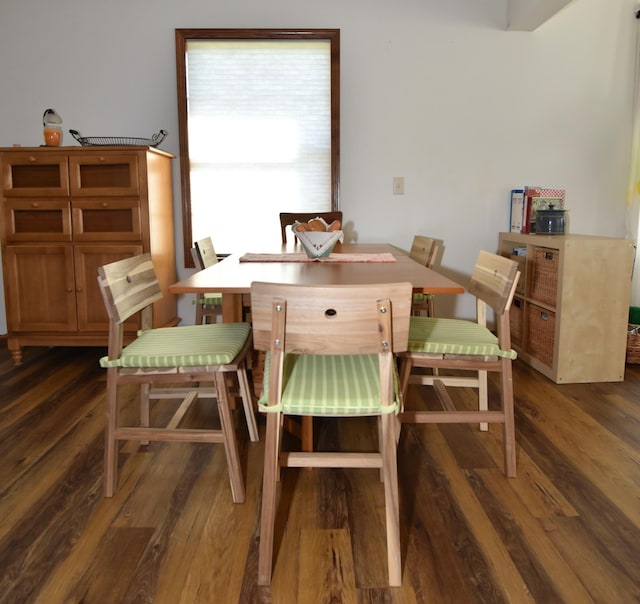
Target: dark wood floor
567	529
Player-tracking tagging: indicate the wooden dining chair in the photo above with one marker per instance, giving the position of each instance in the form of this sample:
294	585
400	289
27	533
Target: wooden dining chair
289	218
425	251
330	352
163	358
209	304
461	352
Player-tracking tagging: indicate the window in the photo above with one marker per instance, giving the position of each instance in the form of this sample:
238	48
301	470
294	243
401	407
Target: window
259	131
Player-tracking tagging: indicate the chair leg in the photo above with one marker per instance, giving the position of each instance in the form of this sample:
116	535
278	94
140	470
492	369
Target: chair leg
269	488
247	403
392	508
144	408
230	443
199	313
483	396
405	373
110	479
509	430
431	307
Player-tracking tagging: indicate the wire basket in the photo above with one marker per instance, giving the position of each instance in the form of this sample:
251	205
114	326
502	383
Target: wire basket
119	141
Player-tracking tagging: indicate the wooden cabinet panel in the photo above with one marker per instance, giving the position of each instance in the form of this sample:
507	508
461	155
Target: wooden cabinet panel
34	173
40	288
107	220
570	321
37	219
67	211
92	314
104	174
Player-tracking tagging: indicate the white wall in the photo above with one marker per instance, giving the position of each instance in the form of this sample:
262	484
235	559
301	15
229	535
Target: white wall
435	91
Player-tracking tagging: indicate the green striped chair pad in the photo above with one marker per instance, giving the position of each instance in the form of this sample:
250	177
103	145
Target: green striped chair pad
188	346
419	297
453	336
331	385
209	299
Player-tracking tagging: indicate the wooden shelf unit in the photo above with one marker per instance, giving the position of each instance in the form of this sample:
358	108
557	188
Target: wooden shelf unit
66	211
570	313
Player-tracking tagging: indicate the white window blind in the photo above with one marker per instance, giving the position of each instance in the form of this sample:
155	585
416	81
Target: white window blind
259	136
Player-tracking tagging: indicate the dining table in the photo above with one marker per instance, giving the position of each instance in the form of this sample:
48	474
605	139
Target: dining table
347	264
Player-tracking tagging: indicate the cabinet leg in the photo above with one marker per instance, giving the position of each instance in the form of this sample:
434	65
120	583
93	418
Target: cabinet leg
16	355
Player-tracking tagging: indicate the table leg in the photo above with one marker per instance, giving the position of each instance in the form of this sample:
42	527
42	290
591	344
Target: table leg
231	308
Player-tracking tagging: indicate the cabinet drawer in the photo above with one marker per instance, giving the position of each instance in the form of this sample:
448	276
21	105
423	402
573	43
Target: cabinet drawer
541	330
34	174
544	275
103	174
106	220
37	219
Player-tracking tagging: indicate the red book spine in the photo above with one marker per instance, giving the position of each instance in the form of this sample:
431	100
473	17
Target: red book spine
529	194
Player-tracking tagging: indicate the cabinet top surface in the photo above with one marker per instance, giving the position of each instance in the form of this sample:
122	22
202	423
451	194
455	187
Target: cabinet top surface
535	238
88	149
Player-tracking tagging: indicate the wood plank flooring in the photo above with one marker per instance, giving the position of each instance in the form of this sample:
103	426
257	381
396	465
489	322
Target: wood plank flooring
567	529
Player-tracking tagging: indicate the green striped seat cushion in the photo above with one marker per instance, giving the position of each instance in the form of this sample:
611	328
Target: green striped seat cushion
331	385
419	297
453	336
188	346
212	299
209	299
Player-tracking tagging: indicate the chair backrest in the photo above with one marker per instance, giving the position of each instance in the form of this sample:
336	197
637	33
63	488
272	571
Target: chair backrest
332	319
493	282
288	218
206	253
422	250
128	286
197	262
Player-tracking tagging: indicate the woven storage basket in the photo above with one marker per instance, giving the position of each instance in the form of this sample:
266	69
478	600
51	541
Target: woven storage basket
633	344
544	277
516	321
541	333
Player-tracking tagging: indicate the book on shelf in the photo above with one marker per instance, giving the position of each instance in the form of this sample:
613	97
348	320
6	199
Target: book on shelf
517	209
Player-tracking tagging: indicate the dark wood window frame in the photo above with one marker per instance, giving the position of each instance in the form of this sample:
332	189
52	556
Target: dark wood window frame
182	36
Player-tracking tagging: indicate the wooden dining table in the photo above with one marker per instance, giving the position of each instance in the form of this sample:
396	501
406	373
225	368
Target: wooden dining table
349	263
363	263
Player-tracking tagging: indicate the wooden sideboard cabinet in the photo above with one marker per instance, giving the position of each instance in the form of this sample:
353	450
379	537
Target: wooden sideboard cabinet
66	211
570	312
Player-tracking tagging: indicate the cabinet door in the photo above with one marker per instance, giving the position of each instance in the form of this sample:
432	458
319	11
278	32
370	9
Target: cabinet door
40	288
104	174
92	315
107	220
37	174
37	219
